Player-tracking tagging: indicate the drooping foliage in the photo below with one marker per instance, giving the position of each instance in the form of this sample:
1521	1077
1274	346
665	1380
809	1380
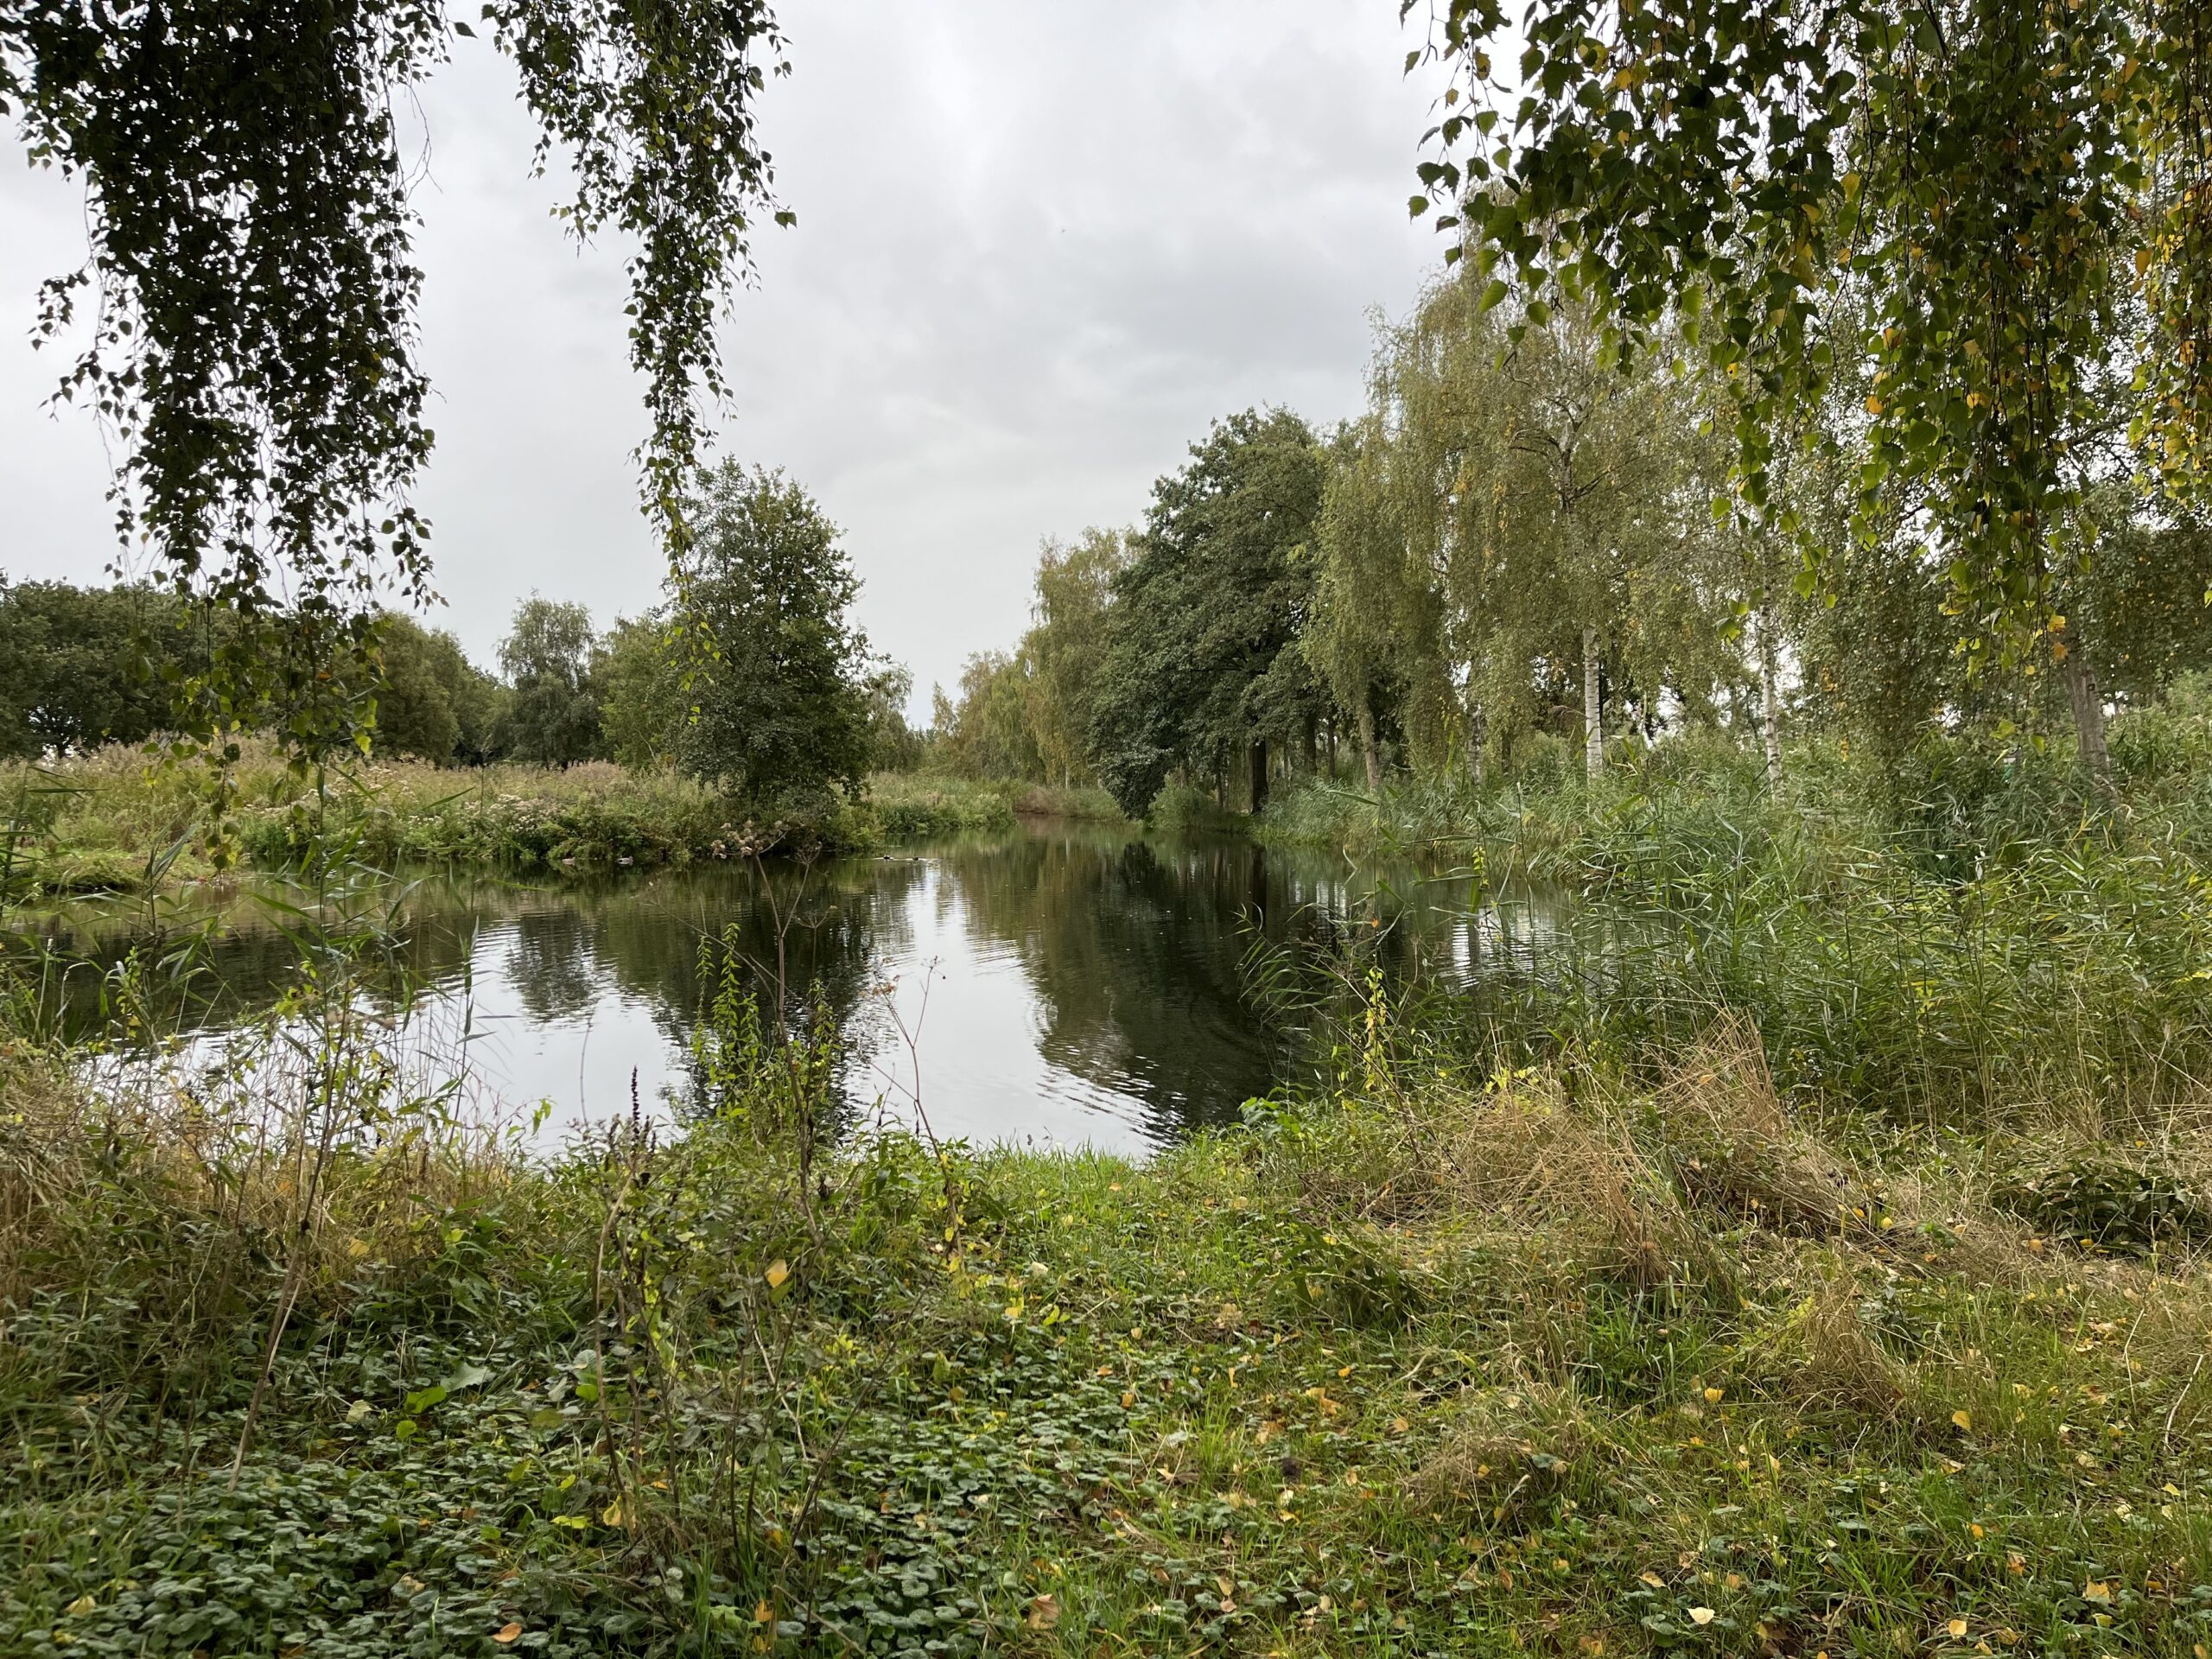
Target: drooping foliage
643	705
1028	713
251	290
1991	211
1511	518
554	718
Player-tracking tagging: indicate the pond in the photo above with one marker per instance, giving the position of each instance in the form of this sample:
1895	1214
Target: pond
1059	985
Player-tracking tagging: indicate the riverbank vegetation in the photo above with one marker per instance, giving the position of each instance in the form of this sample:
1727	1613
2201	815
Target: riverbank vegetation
1624	1359
1775	1219
117	821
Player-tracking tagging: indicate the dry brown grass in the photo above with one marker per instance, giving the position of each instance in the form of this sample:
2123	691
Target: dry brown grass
1532	1156
1821	1358
1738	1149
1508	1453
205	1183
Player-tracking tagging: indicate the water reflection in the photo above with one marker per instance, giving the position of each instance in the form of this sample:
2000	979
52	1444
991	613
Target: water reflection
1062	985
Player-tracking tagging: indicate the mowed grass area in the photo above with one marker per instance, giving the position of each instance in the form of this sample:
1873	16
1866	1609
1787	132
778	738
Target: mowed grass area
121	821
1452	1361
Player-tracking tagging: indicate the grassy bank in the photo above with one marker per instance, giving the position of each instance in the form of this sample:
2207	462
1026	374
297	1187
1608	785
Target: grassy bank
1977	946
1446	1362
114	822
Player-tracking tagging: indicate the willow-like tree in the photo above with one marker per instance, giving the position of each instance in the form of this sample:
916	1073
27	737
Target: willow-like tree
1518	514
548	655
1997	211
252	289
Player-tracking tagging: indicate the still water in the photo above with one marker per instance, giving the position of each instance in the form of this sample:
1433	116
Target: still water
1059	985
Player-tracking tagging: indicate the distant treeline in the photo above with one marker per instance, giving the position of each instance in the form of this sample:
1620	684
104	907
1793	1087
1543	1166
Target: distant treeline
750	674
1520	548
80	667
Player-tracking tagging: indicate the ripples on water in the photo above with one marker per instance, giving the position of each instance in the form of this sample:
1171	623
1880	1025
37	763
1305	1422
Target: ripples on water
1063	985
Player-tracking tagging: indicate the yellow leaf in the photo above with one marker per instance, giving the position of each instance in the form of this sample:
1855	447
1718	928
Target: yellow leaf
1713	1397
1873	404
507	1633
1701	1615
1964	1419
1044	1612
83	1604
1128	1399
778	1272
2096	1590
1228	1584
1957	1627
1651	1579
763	1614
612	1514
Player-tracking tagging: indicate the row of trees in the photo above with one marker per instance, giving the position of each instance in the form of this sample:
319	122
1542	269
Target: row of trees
750	673
80	667
1520	537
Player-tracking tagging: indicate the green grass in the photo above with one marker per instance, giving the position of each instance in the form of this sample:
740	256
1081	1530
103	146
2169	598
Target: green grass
1447	1363
118	821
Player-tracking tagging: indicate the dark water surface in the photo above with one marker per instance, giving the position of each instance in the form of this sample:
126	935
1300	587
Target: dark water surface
1061	984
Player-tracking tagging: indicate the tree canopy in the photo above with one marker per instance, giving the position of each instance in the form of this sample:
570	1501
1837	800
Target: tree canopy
1989	217
554	718
1203	666
779	673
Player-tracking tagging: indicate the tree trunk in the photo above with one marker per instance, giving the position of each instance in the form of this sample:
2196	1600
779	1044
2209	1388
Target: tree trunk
1368	751
1593	734
1770	698
1475	745
1259	772
2088	704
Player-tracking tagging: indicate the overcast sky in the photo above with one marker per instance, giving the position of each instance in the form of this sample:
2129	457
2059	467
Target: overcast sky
1042	243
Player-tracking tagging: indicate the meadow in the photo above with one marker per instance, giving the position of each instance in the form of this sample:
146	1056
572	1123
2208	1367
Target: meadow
124	819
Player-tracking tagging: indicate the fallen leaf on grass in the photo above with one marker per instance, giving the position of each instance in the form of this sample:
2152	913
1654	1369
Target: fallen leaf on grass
1701	1615
1044	1612
507	1633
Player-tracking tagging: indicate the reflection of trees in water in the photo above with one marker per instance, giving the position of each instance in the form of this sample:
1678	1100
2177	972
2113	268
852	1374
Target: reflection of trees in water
549	960
562	948
1134	950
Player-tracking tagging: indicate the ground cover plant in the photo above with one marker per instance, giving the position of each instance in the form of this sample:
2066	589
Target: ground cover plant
1447	1357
